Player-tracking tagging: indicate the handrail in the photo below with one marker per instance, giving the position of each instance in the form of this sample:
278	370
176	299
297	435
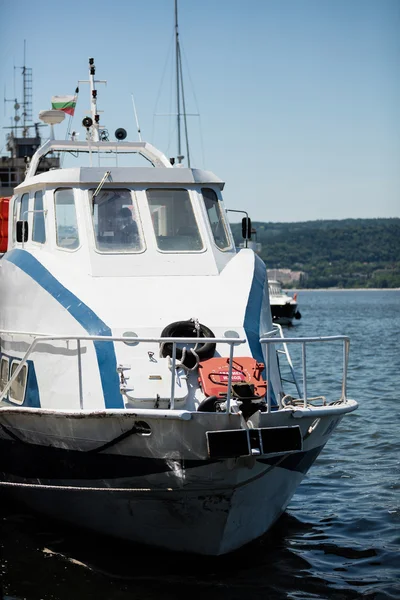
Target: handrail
269	338
148	151
303	341
285	351
79	338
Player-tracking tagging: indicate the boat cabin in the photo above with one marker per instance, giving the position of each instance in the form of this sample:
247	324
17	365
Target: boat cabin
124	220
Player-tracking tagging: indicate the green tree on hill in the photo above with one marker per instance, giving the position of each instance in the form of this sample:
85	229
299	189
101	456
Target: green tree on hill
348	253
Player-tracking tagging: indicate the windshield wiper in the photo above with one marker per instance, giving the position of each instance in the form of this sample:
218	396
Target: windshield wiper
107	175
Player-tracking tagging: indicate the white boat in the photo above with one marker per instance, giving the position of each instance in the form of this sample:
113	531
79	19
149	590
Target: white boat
283	307
140	385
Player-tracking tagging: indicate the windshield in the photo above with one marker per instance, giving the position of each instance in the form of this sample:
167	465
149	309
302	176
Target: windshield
173	219
115	221
215	216
275	289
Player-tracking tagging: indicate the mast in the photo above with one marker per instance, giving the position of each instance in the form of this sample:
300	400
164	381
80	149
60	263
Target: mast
27	103
95	125
180	93
93	96
178	97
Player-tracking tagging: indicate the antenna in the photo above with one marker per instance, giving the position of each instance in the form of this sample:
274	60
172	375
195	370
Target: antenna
27	95
26	105
136	119
16	117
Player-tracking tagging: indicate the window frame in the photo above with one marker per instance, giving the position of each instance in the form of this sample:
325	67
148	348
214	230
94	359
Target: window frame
16	212
136	216
24	369
24	195
223	220
4	359
195	216
65	248
19	218
36	213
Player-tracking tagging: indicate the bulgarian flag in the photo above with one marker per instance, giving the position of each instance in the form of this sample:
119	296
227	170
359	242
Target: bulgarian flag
65	103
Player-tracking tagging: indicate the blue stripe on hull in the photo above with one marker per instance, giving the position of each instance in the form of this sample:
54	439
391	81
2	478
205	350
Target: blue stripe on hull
253	313
93	325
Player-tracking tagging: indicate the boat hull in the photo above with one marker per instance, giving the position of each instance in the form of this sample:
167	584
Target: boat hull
284	314
208	522
180	502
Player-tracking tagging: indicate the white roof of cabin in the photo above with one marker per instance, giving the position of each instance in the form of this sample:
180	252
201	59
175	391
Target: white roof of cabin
122	175
161	172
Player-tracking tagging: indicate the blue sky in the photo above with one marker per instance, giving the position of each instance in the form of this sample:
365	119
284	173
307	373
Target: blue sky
298	99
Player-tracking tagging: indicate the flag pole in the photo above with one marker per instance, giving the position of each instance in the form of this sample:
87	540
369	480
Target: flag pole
72	116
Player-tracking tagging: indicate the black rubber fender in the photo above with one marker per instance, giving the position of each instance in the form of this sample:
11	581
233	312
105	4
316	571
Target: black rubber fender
209	404
188	329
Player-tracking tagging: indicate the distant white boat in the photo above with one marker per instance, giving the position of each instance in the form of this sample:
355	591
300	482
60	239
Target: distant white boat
283	307
140	387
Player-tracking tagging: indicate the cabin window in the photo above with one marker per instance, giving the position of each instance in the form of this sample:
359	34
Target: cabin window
17	389
67	235
23	213
38	231
21	208
16	212
4	368
116	221
216	218
173	219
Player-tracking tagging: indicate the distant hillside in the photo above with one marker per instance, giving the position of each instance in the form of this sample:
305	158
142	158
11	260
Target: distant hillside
348	253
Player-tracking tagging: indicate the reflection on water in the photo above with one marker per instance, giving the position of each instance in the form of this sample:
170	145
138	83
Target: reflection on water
51	561
299	559
340	538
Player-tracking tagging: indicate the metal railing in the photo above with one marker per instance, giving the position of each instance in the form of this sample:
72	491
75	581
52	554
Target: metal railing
232	342
268	339
285	352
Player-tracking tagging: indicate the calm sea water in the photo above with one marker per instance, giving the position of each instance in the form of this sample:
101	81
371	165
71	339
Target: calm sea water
339	539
